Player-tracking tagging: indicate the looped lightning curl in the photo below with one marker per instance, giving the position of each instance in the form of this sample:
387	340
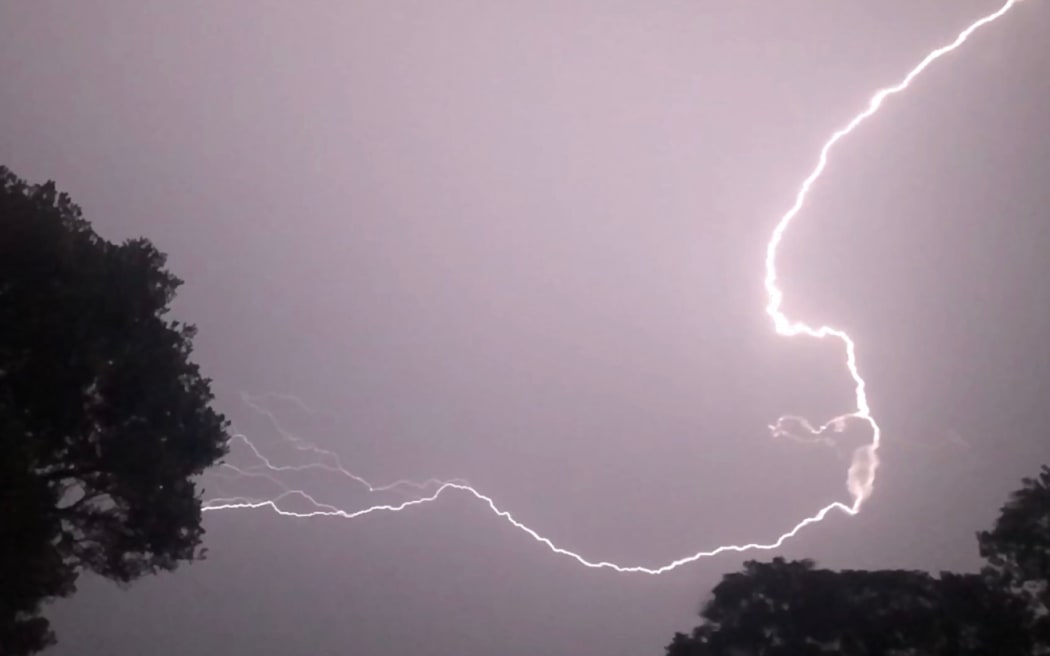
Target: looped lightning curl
860	478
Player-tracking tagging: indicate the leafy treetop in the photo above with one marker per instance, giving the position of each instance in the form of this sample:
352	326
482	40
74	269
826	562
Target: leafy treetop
104	420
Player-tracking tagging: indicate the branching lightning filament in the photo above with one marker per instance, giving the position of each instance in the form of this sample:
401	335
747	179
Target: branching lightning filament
860	478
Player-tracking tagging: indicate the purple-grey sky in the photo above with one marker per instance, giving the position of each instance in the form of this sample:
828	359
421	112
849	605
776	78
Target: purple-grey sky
521	243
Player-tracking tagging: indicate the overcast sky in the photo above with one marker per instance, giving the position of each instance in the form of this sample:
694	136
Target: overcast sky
521	243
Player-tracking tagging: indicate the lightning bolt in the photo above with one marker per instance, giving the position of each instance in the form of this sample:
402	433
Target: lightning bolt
860	477
334	464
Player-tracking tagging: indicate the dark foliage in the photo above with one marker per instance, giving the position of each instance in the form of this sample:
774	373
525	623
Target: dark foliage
1018	550
786	608
790	608
104	420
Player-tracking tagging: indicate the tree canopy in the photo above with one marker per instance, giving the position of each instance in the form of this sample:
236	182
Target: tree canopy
104	419
1018	550
783	608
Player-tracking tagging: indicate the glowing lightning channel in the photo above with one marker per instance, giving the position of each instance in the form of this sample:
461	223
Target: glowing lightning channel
860	479
299	444
860	476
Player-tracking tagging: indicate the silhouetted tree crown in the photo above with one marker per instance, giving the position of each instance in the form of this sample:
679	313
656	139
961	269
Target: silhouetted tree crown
791	608
104	420
1018	550
784	608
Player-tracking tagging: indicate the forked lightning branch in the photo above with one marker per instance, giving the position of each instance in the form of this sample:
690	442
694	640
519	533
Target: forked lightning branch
860	477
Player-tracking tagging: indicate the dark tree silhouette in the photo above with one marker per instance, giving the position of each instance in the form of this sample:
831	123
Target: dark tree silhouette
791	608
1018	550
104	420
786	608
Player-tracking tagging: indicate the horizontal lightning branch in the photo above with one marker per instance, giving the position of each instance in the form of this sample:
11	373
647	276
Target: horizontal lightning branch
860	478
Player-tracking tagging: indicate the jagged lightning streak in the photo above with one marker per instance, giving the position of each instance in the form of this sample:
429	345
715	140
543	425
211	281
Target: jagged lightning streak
334	465
861	474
